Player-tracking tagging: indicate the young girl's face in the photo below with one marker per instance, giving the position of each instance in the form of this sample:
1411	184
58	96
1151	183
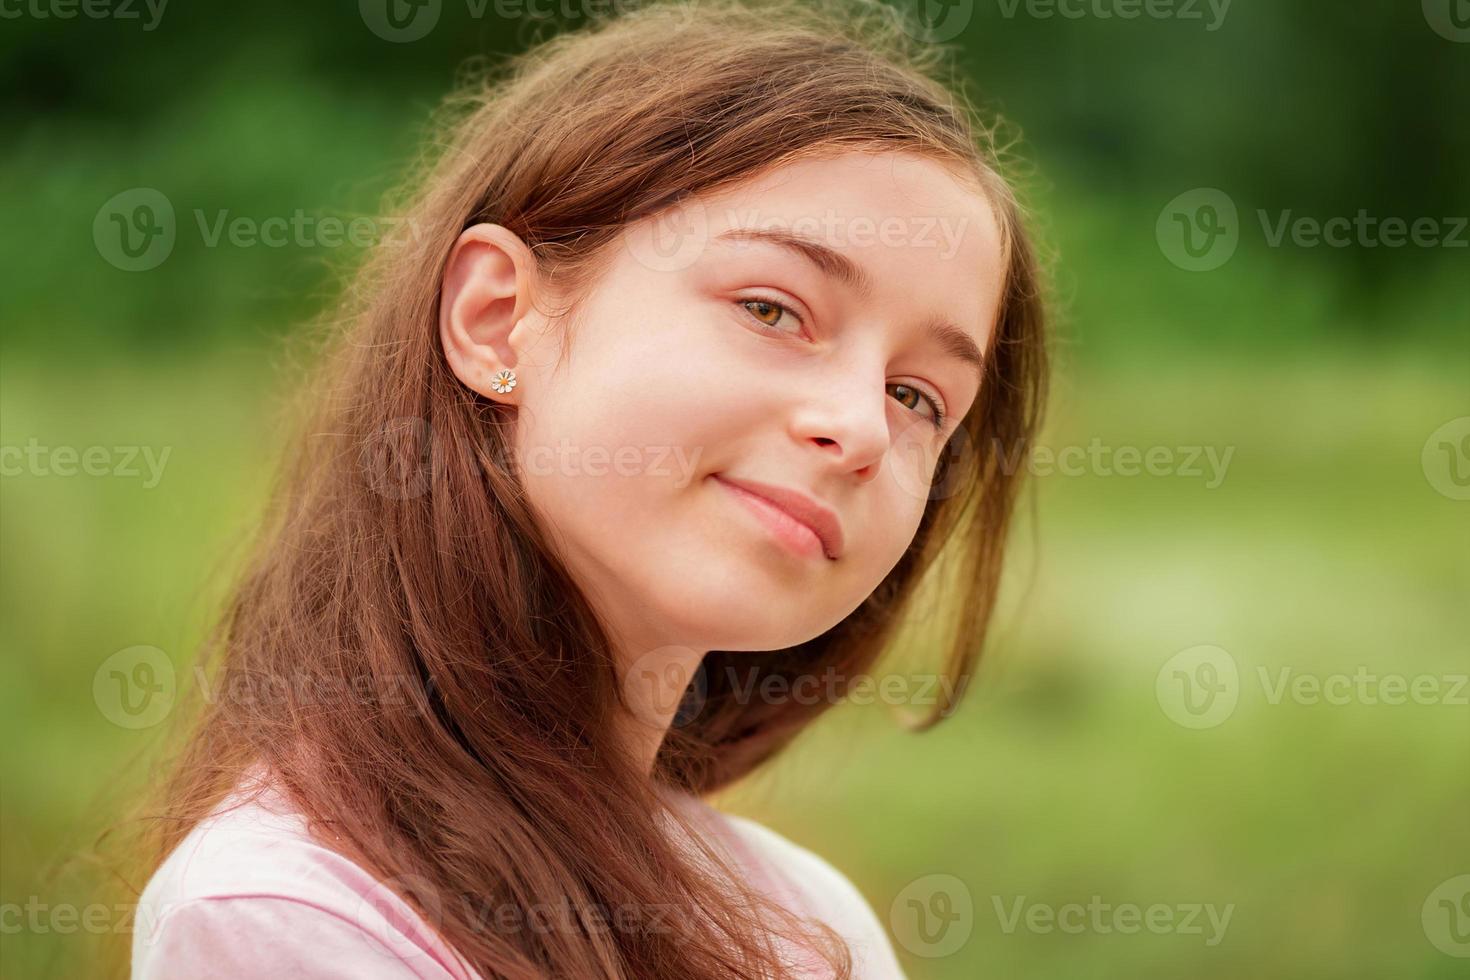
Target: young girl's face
718	349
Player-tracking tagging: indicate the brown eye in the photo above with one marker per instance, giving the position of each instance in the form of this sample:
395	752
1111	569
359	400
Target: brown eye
768	312
904	392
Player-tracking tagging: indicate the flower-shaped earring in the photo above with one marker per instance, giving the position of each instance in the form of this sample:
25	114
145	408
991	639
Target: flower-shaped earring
504	381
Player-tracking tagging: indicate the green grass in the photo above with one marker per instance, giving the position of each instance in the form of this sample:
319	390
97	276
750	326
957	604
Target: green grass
1323	549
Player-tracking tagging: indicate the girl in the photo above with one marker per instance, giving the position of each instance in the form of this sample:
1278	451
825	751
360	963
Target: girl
712	329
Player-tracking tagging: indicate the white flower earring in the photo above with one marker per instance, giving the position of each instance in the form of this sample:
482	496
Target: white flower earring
503	381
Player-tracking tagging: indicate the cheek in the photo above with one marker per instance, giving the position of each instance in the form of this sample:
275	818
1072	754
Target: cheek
608	390
900	497
894	506
603	442
912	463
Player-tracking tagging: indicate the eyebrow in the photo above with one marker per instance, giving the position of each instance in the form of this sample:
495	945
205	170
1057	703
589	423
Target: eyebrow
950	339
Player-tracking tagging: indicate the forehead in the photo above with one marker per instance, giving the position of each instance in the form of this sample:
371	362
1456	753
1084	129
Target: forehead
926	238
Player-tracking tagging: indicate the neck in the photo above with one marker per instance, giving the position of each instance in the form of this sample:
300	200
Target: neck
653	686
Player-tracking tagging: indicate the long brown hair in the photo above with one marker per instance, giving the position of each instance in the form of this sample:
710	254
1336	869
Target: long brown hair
468	746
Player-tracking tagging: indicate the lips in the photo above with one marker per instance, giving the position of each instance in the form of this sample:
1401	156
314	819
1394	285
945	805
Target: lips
799	507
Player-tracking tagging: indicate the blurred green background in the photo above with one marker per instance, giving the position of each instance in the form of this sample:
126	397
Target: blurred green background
1331	383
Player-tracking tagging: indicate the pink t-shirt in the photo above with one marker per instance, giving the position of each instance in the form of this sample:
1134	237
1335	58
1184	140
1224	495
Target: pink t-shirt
249	893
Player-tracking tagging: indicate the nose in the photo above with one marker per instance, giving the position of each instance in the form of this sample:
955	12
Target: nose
847	419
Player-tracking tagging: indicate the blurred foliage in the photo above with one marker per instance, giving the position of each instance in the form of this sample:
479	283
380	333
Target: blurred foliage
274	108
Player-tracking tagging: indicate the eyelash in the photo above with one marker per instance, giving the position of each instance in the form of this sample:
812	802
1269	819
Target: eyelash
934	403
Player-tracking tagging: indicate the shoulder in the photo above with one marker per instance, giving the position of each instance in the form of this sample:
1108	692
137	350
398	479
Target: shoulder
249	892
825	892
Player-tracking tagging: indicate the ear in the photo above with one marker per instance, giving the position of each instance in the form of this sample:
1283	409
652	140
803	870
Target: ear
485	295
